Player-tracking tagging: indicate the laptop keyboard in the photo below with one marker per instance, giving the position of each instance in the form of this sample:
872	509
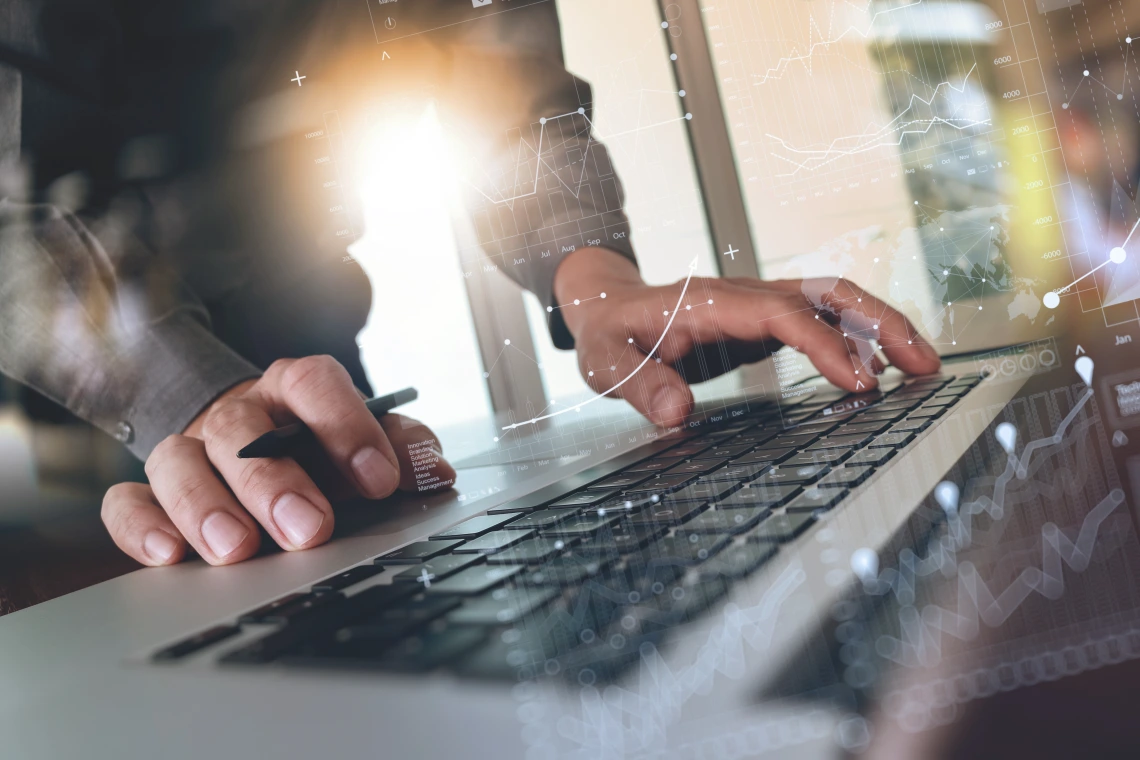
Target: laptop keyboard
574	579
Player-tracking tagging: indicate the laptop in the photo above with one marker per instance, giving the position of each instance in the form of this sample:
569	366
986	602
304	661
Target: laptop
639	599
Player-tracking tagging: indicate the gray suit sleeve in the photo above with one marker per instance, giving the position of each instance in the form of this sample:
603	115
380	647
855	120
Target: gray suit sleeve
547	186
111	336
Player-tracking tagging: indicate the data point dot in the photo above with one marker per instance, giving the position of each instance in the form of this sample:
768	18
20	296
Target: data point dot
688	307
603	295
577	302
673	57
1086	72
710	302
664	24
549	309
507	342
689	116
631	340
1117	255
682	93
1051	300
665	313
542	120
582	111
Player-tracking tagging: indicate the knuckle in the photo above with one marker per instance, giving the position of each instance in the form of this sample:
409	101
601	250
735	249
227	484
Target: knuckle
312	373
169	449
223	418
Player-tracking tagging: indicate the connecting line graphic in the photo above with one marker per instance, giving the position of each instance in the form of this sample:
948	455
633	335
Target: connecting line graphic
881	137
648	358
920	643
1117	255
778	70
1088	75
575	192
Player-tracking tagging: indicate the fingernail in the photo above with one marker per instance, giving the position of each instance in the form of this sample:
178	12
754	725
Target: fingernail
224	533
668	404
297	518
159	546
877	366
375	473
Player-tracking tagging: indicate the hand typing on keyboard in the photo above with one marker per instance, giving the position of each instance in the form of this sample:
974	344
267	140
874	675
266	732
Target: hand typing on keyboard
201	493
831	320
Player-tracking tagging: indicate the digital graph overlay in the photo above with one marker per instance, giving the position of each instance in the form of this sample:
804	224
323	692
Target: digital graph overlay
617	386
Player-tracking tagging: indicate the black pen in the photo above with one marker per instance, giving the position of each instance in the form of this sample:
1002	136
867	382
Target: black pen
279	442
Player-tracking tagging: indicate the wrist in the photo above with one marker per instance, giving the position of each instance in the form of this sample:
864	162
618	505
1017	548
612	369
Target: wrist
586	274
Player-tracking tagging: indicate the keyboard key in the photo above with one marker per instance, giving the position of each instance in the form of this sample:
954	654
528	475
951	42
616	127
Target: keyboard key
735	473
822	456
438	568
891	440
670	513
890	415
343	612
687	450
738	561
348	578
663	485
785	475
622	480
703	490
788	442
475	580
727	452
755	438
845	477
525	504
583	524
434	649
690	548
911	426
530	552
697	466
474	527
196	643
493	543
817	427
416	612
279	613
582	499
413	554
566	571
754	495
863	426
938	403
727	521
816	500
503	606
928	414
539	520
836	441
622	539
872	457
782	528
762	457
657	464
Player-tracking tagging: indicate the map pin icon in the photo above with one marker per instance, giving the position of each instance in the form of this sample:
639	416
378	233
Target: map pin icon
1007	436
1084	367
946	494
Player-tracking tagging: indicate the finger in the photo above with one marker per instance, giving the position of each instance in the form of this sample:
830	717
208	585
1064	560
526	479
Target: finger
422	466
139	527
653	388
862	313
277	492
320	393
745	313
200	505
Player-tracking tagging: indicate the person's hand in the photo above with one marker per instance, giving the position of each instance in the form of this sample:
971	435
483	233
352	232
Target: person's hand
722	324
201	493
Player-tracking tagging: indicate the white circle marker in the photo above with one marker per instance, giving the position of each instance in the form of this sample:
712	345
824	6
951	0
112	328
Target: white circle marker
1006	435
1117	255
1052	300
946	494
